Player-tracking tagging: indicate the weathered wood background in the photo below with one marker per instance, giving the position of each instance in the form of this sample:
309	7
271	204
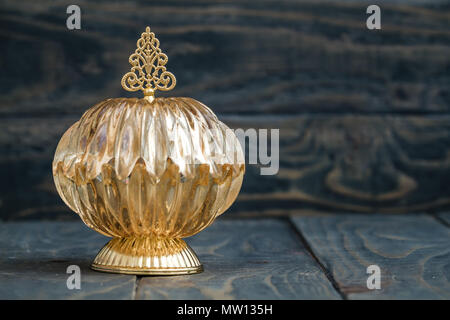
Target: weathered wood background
363	115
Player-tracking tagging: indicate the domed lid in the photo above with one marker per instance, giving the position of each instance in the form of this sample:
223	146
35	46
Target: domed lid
148	72
158	132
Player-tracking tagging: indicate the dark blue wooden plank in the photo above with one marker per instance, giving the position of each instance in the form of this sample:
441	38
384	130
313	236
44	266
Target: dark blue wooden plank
235	56
412	251
324	163
34	258
245	259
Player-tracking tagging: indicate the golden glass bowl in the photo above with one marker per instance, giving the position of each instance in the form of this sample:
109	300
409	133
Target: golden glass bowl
148	172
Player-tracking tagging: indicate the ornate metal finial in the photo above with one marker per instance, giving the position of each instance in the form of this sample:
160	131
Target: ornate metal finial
148	72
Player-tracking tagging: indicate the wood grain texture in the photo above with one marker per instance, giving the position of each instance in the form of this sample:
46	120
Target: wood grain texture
238	57
34	258
354	163
245	259
412	252
363	115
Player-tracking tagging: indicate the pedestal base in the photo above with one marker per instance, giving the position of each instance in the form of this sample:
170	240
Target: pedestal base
147	256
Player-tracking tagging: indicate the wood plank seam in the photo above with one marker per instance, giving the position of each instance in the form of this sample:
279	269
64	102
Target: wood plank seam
251	259
136	286
411	251
439	219
310	251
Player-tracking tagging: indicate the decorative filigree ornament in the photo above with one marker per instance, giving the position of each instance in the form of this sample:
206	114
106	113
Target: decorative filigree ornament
148	72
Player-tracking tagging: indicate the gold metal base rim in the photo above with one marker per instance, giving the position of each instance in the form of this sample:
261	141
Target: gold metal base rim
147	272
147	256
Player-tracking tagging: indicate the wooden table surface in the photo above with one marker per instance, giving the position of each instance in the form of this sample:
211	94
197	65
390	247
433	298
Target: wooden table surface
297	257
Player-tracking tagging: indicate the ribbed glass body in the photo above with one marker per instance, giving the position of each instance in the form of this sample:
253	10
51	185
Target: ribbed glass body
136	168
